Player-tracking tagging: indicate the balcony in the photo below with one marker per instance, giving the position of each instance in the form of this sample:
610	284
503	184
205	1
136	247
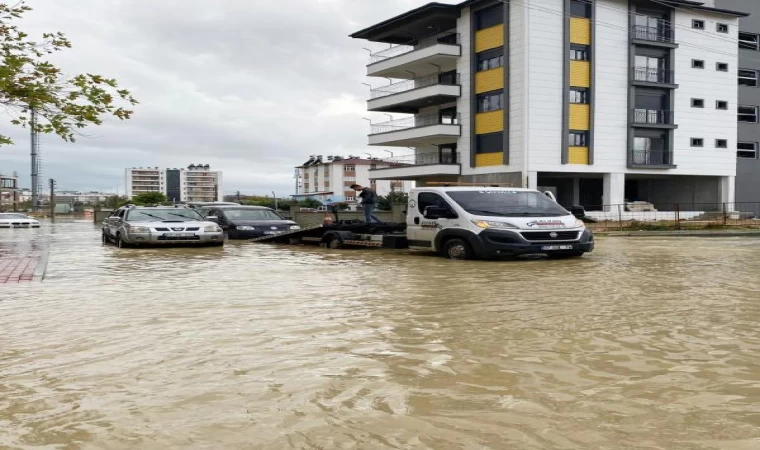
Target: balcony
651	77
653	118
658	35
409	96
651	159
432	129
418	166
403	61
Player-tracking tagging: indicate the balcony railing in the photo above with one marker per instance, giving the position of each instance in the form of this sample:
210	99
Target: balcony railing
650	75
398	50
652	158
660	33
653	116
421	159
416	83
414	122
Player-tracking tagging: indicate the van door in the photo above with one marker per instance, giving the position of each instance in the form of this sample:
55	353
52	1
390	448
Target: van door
421	231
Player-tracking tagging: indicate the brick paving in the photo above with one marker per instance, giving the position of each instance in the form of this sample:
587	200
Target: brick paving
19	267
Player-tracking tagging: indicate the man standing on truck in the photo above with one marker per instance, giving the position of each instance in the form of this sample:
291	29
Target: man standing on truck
369	202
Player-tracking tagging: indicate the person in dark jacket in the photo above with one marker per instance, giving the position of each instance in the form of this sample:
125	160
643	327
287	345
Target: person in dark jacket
369	202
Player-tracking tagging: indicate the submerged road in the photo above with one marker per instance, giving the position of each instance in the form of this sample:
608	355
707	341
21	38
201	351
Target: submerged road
647	343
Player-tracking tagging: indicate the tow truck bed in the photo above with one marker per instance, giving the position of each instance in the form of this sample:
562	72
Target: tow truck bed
356	234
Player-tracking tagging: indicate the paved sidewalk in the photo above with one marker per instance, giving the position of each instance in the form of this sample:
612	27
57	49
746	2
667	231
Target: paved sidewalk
23	261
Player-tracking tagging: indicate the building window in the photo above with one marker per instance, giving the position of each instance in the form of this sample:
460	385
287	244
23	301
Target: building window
746	150
721	143
721	67
489	143
579	95
697	103
580	8
490	101
697	63
721	104
722	28
748	114
748	77
349	168
698	24
490	59
697	142
578	139
579	52
350	199
748	40
489	17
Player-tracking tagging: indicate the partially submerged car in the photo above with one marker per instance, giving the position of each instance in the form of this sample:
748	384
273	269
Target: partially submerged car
247	222
18	220
160	225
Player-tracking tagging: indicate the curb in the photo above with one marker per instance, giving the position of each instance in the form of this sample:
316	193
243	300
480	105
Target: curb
707	234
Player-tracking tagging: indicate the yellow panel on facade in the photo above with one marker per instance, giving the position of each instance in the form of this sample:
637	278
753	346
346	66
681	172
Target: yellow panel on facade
489	122
580	74
579	117
489	159
580	31
489	38
577	155
489	80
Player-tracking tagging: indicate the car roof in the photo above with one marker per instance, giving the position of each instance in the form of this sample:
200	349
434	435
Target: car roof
240	207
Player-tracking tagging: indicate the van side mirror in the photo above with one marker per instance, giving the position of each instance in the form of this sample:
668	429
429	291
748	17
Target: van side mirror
436	212
578	211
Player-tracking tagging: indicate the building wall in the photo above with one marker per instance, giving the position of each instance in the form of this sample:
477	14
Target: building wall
748	181
465	79
518	16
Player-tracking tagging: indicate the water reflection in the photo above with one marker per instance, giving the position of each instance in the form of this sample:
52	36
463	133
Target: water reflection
644	344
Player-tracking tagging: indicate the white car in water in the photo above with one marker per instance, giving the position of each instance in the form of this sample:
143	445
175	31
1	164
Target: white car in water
17	220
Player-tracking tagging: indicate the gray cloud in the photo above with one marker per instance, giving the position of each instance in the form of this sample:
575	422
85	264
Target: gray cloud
250	87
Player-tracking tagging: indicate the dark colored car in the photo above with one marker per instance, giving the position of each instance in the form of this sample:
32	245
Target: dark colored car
247	222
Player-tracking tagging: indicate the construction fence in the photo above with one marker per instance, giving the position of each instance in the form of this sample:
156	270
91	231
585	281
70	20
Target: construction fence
678	216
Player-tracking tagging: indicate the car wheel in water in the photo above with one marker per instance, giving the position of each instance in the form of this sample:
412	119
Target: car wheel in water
105	238
120	242
457	249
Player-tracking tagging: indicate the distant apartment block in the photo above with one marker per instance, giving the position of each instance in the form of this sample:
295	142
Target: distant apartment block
601	101
196	183
329	179
9	191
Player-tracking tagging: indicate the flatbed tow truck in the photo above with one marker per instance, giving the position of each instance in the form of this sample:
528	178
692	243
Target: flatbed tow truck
463	223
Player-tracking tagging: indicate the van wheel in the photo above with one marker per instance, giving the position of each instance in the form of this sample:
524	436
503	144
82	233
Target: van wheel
457	249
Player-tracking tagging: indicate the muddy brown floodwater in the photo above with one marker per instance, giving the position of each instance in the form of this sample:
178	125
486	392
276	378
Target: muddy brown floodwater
644	344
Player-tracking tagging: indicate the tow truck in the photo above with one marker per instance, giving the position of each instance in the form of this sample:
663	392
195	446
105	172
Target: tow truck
473	222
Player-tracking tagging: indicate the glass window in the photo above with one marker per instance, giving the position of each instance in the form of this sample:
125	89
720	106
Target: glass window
489	17
579	53
578	139
747	77
426	199
697	64
721	104
698	24
579	95
721	67
489	143
580	8
506	203
721	143
349	168
748	114
746	150
722	28
161	215
697	103
748	40
697	142
490	59
250	214
490	101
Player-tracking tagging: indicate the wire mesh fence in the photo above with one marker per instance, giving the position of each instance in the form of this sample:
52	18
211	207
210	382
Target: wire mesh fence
640	216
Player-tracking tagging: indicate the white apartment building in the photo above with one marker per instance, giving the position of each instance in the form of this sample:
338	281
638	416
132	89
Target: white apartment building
196	183
601	101
329	180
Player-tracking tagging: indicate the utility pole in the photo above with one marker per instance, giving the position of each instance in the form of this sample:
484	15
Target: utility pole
238	196
35	155
52	199
275	201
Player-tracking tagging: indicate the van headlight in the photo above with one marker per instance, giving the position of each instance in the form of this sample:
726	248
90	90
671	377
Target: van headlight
139	230
295	227
212	229
579	223
494	224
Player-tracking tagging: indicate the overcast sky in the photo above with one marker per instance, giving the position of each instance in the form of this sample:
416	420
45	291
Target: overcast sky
252	87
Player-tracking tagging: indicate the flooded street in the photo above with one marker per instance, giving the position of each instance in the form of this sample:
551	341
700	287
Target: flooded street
643	344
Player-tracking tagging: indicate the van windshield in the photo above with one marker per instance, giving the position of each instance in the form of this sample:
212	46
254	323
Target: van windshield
501	203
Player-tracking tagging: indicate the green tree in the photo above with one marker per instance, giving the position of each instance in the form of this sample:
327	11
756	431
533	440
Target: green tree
149	198
384	202
115	201
310	203
29	82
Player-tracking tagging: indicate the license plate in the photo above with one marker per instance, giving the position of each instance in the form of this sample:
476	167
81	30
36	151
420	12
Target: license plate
272	232
557	247
177	235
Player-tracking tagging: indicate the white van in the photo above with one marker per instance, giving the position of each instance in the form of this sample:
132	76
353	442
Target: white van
486	222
